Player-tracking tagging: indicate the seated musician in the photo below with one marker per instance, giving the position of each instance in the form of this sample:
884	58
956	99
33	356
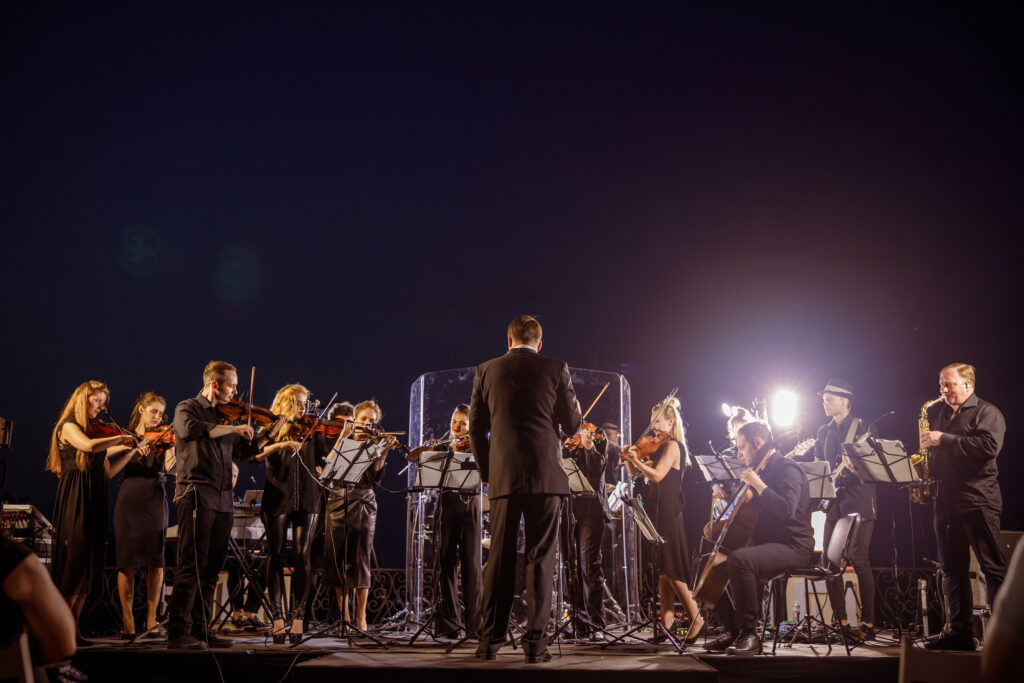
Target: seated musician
782	537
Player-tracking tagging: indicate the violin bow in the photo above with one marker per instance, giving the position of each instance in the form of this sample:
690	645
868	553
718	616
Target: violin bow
594	402
664	404
252	381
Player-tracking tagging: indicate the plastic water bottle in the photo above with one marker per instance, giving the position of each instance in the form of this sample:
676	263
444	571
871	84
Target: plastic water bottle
796	611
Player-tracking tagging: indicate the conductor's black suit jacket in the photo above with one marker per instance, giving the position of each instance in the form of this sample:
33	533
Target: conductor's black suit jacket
520	399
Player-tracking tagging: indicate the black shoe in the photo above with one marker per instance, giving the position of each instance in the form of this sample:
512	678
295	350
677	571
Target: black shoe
746	644
185	643
487	655
721	643
128	637
961	641
295	638
538	658
218	641
82	642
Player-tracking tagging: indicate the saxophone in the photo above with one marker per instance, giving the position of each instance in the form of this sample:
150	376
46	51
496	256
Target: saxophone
922	461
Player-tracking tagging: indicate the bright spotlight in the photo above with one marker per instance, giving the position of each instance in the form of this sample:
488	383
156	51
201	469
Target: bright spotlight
783	409
728	410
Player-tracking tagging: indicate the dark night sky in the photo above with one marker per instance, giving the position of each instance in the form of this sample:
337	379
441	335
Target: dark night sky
348	196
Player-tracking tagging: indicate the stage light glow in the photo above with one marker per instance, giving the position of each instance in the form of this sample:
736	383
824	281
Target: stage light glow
783	408
728	410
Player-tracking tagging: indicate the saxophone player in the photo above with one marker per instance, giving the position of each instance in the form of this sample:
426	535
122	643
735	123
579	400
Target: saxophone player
965	437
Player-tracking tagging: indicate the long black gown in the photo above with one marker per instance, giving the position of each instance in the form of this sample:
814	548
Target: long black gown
666	504
79	521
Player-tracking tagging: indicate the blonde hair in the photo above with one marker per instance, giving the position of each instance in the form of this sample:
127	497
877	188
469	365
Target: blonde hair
75	410
369	404
671	407
963	369
144	401
286	403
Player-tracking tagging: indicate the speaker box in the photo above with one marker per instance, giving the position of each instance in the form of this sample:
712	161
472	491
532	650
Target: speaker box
1008	542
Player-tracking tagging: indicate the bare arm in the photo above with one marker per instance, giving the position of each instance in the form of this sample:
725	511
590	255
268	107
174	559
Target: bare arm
72	434
669	458
47	614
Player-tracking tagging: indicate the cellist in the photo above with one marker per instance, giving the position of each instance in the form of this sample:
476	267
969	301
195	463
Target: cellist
781	539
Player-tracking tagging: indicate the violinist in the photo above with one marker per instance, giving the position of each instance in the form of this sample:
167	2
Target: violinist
591	514
781	537
458	527
81	459
202	498
665	470
290	498
352	520
140	514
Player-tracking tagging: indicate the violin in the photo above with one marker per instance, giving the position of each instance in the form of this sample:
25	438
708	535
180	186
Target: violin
310	424
646	446
161	437
236	411
575	443
101	429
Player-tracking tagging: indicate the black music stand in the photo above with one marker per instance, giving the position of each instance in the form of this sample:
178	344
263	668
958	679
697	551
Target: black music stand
819	479
649	532
350	463
454	471
882	461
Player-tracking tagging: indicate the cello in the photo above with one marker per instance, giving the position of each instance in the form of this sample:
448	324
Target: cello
730	532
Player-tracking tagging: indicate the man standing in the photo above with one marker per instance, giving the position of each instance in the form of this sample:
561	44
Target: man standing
202	497
782	537
851	496
520	399
966	436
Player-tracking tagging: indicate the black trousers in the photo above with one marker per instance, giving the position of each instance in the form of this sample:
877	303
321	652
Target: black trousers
977	529
302	524
860	545
540	516
588	588
202	547
458	542
747	568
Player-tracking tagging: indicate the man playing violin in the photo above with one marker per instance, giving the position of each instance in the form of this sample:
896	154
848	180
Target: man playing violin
202	498
591	514
458	527
782	537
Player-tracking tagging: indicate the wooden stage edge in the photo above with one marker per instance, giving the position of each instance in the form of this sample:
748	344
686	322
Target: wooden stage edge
252	658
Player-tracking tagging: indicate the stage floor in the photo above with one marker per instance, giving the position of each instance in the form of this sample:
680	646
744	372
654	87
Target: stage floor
254	658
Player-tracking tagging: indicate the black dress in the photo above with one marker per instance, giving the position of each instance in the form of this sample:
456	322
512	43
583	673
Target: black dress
79	521
666	505
140	513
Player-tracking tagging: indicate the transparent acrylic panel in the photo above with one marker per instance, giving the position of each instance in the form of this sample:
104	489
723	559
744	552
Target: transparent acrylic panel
432	399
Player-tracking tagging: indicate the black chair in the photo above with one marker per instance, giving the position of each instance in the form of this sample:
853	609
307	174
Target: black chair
833	562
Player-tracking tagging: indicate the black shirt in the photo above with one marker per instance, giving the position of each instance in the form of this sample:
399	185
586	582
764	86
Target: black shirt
203	462
785	506
591	464
964	462
852	496
292	482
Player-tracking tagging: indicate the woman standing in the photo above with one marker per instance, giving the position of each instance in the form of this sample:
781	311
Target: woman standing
140	514
665	472
291	496
81	461
352	520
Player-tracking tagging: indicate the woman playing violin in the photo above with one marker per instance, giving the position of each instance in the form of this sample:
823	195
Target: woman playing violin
352	520
140	513
290	498
665	471
81	461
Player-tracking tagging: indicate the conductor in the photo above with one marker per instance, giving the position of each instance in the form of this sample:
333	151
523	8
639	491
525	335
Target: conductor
519	401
